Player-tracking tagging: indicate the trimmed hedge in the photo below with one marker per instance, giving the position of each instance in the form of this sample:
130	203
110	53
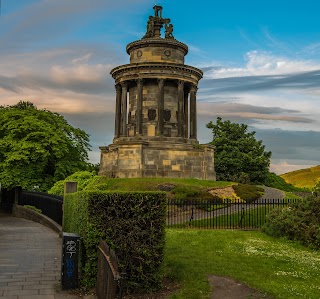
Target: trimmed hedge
132	223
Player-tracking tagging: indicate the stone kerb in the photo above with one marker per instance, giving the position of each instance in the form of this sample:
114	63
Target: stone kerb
22	212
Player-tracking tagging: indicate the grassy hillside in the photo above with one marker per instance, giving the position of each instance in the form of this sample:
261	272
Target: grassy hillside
304	177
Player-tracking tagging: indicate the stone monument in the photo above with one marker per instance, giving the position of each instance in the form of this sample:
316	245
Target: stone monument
156	111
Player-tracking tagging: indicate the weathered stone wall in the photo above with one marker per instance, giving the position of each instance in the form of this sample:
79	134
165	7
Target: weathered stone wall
157	54
150	101
171	103
109	160
131	126
155	160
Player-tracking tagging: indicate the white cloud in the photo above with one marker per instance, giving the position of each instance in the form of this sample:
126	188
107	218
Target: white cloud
264	64
83	59
285	167
81	72
312	49
60	101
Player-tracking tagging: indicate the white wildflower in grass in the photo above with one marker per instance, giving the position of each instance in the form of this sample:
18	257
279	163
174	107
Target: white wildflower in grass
292	274
301	291
290	259
251	250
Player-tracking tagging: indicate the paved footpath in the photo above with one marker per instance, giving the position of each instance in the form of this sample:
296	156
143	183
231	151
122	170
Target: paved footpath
30	260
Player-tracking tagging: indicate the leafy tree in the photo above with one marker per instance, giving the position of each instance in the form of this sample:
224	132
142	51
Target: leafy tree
38	147
83	178
93	167
238	155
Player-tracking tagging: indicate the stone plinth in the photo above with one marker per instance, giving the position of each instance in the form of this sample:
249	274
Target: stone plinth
134	159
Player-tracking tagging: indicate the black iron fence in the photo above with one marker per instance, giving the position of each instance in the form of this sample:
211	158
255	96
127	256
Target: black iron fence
50	205
7	199
223	215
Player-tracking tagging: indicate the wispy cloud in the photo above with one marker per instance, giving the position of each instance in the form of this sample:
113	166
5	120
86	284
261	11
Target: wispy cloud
264	64
41	21
285	167
250	113
275	43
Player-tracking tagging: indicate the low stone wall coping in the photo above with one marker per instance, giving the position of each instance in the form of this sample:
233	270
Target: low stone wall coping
22	212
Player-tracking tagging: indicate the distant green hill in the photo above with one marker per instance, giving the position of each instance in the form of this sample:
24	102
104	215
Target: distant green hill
304	177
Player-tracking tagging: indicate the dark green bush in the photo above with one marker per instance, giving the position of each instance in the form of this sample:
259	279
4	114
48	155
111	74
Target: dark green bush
299	221
190	193
248	193
132	223
186	192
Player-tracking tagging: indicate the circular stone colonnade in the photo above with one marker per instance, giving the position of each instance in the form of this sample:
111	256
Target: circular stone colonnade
156	111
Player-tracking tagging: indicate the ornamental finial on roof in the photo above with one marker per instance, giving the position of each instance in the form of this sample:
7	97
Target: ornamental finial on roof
156	22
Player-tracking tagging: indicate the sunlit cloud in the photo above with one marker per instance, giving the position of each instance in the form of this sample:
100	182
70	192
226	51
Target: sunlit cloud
250	112
61	101
264	64
285	167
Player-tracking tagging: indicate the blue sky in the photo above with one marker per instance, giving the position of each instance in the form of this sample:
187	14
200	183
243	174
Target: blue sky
261	63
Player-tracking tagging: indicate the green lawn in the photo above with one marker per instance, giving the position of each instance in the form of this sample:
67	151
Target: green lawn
276	267
290	195
249	219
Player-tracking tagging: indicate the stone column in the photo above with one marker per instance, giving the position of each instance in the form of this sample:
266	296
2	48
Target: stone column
186	113
180	108
193	112
160	106
118	112
139	106
124	86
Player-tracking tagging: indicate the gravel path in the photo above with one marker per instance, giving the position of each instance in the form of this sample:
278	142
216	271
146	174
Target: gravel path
272	193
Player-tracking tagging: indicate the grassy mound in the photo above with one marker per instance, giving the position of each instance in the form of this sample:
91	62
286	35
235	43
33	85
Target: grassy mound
181	189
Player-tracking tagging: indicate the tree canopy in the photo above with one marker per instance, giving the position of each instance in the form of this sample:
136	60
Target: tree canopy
238	155
38	147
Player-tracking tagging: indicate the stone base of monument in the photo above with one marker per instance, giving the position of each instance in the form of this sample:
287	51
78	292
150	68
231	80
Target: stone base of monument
138	159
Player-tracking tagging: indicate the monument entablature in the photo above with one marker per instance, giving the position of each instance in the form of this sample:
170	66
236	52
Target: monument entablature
156	111
167	71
